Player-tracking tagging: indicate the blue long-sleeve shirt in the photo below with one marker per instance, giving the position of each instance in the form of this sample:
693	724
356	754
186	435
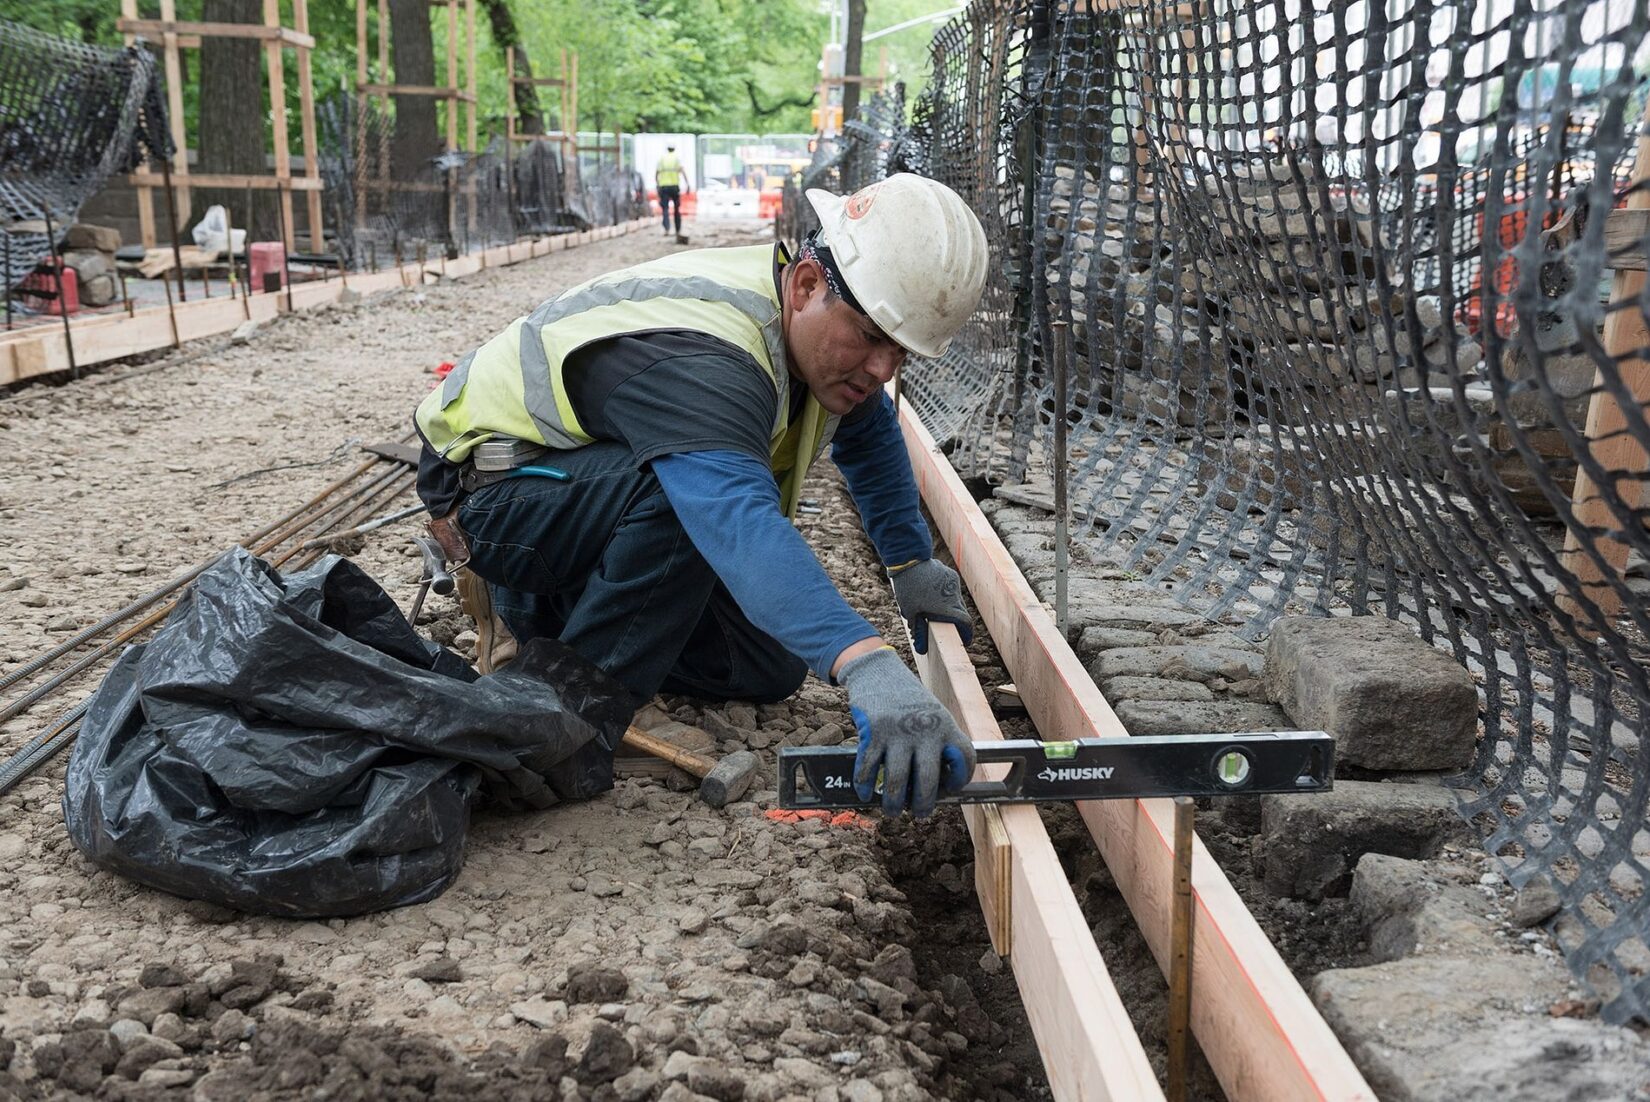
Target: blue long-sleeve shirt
729	505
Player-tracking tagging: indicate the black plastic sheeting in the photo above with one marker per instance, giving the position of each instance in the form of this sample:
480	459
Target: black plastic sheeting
291	746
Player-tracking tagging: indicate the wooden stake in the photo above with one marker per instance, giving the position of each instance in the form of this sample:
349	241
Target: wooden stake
1180	953
277	114
306	123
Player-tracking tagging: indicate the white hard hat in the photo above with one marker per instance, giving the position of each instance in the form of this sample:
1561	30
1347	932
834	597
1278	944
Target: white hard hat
911	252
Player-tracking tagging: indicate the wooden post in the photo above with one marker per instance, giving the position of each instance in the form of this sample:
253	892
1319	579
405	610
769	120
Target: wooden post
360	113
383	174
1612	447
145	195
277	114
174	107
470	108
306	122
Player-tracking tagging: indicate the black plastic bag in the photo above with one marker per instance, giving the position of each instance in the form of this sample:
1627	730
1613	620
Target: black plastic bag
291	746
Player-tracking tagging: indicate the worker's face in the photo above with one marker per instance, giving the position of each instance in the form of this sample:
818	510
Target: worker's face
838	352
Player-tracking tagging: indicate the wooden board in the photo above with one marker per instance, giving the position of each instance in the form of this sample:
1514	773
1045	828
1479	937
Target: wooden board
280	35
1089	1048
42	349
1262	1036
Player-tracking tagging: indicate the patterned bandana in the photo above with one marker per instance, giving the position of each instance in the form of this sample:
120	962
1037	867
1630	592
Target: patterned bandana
815	249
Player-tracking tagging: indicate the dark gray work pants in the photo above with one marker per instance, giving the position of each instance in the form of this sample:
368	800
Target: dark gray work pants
602	563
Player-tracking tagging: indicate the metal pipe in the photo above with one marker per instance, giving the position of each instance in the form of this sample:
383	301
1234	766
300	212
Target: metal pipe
1062	555
62	298
361	529
8	281
1180	953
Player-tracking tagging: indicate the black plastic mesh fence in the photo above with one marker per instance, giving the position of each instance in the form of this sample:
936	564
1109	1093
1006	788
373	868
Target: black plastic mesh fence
1350	308
454	202
71	116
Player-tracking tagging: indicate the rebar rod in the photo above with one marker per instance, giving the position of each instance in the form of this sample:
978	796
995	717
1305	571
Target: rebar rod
1062	552
62	298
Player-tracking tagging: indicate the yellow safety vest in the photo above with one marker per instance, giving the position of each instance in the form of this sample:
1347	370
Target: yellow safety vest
670	170
512	386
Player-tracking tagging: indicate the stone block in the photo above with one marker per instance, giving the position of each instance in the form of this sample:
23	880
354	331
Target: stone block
1175	717
1102	637
1190	662
1136	617
1475	1029
1312	843
1408	908
1155	688
83	235
1390	700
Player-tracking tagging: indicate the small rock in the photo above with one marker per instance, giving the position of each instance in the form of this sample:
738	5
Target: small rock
990	963
140	1056
156	974
595	983
541	1012
168	1027
12	585
232	1027
440	970
693	921
128	1032
1536	902
93	1014
62	624
34	599
607	1055
150	1003
162	1078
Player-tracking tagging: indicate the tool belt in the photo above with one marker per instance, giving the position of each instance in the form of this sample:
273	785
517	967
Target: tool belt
490	461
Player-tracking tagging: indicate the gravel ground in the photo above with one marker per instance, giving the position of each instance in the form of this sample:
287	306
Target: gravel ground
639	946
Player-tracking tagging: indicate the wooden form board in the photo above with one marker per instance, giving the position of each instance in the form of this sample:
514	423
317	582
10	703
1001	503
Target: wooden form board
1261	1034
42	349
176	35
1089	1047
1625	335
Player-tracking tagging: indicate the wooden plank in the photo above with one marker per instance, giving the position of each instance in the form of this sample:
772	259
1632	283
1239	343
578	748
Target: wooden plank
1600	570
277	116
1261	1034
232	180
174	106
1625	229
306	122
282	36
1089	1047
415	90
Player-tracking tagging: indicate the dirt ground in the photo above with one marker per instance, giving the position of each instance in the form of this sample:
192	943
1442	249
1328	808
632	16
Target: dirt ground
639	946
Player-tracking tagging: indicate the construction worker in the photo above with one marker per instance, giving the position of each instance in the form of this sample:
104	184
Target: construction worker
668	178
652	429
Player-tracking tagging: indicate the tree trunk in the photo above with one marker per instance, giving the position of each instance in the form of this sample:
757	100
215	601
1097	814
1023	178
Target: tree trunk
231	132
852	51
529	118
412	57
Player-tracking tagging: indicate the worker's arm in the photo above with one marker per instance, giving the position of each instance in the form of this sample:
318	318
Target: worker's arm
870	451
728	503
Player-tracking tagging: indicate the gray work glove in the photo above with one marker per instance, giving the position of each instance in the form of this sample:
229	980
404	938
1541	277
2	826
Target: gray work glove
903	732
930	590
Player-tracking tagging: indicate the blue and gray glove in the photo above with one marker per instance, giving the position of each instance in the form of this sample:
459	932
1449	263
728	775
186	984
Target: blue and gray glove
905	733
930	590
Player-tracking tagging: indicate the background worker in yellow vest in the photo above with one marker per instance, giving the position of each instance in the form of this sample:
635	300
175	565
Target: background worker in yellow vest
671	181
623	463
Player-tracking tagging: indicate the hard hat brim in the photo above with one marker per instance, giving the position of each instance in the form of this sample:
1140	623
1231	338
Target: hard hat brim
827	206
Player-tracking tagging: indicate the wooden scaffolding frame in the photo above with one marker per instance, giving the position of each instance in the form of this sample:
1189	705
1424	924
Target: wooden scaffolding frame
566	131
452	91
174	36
